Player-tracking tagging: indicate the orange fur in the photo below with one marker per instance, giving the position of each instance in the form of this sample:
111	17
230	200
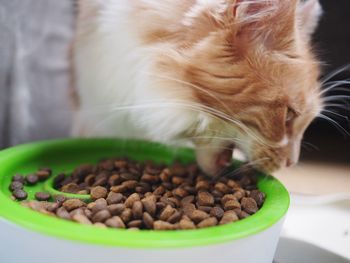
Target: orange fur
257	68
248	62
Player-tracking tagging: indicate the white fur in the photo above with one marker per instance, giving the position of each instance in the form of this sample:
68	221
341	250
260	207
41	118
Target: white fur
119	95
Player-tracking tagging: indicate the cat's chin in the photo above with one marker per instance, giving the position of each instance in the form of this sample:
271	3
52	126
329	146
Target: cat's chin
214	160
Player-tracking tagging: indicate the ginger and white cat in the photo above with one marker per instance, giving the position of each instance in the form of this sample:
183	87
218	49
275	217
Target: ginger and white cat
218	73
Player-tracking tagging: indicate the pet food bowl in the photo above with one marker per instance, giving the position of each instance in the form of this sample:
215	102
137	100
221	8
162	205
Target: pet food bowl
29	236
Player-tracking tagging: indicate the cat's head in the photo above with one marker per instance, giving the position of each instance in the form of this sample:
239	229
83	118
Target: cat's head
251	68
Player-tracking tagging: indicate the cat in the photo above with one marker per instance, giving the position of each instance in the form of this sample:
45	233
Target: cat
217	73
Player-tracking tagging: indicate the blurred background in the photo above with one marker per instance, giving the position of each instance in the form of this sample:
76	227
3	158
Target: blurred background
34	105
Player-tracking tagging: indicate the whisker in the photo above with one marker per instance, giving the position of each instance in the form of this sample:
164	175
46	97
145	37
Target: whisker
193	86
336	124
334	105
336	97
312	146
199	108
337	114
247	166
334	86
335	73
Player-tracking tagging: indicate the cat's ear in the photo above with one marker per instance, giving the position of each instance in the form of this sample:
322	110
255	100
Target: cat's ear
272	23
309	14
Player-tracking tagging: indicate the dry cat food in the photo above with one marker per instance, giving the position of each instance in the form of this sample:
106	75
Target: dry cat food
133	195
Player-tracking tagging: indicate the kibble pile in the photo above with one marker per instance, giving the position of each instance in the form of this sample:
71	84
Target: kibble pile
129	194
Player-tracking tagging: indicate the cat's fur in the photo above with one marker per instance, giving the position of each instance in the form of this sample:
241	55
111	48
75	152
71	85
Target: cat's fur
218	73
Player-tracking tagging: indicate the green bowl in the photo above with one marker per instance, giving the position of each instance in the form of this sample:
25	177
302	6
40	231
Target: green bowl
64	155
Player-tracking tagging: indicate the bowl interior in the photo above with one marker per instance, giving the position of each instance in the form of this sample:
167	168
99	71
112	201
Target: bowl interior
64	155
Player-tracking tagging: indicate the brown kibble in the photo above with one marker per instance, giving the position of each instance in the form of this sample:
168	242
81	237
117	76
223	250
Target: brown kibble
229	217
149	204
42	196
90	179
160	205
162	225
126	215
211	221
98	192
43	174
249	205
88	213
175	217
121	164
178	170
137	210
167	212
101	216
147	220
186	224
91	205
119	188
116	209
217	194
72	204
82	219
133	195
165	175
114	179
206	209
188	208
18	178
190	189
217	212
99	204
174	201
180	192
198	216
205	199
160	190
130	185
100	180
228	197
187	200
114	198
100	225
32	179
258	196
239	193
202	185
242	214
232	204
63	213
59	199
177	180
233	184
115	222
72	188
167	201
131	200
135	223
223	188
16	185
152	179
128	176
107	165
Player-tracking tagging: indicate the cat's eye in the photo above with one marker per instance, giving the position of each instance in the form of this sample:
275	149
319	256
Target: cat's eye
291	115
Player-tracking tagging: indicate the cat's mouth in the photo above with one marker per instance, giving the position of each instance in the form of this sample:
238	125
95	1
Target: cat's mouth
214	160
224	158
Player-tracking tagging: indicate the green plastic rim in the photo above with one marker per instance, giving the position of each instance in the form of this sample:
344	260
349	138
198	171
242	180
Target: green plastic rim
64	155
